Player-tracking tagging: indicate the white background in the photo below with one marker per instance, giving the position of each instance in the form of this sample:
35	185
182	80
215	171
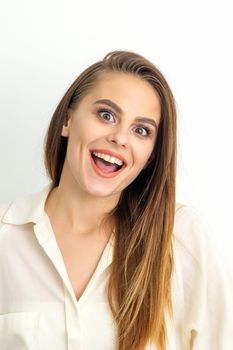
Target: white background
45	45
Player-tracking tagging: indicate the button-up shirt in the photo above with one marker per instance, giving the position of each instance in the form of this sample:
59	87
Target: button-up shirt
39	310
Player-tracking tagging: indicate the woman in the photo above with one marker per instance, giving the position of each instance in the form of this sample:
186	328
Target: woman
103	257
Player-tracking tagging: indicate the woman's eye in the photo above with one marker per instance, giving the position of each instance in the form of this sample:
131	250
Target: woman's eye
142	130
106	115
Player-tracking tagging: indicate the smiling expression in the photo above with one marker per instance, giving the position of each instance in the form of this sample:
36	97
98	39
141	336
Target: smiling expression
111	134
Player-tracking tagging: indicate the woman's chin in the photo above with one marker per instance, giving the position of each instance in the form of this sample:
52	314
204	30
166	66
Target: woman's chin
101	191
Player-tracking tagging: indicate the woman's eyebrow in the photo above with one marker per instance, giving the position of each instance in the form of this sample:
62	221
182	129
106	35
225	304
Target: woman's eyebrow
111	104
119	110
147	120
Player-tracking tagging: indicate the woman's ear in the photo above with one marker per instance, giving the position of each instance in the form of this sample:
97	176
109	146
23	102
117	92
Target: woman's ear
66	127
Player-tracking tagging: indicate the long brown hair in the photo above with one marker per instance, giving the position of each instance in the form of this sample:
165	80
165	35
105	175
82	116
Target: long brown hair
139	288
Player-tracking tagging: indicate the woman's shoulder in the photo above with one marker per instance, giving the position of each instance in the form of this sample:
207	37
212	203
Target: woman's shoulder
25	208
195	244
3	209
186	213
192	234
190	224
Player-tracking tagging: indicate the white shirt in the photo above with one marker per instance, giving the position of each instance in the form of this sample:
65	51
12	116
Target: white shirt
39	310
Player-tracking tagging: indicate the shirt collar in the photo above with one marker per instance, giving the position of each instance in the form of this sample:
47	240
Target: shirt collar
27	209
30	208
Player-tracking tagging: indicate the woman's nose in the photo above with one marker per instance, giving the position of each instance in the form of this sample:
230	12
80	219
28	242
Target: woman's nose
119	137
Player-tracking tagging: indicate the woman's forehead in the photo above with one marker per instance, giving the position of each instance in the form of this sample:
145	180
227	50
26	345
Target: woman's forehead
127	91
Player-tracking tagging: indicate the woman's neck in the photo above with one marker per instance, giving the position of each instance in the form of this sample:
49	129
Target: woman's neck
77	211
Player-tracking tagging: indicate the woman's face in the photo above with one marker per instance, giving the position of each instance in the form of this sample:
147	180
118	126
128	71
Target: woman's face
111	134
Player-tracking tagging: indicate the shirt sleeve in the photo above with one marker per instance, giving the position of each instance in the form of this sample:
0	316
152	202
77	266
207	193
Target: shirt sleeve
3	209
207	286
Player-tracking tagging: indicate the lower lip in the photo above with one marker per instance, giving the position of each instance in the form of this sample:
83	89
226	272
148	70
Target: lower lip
101	173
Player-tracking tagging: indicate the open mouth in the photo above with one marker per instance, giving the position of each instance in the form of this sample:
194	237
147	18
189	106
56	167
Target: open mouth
106	165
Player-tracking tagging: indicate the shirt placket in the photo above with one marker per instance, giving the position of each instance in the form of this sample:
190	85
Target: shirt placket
72	314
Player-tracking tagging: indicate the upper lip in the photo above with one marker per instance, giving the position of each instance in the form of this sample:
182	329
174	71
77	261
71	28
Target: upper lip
111	153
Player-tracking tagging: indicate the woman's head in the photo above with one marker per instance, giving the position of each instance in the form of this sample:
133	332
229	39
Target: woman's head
139	89
111	135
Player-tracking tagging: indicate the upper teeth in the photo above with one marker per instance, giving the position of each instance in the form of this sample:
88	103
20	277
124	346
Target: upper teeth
108	158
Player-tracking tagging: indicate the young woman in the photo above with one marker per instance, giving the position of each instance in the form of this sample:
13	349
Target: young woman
103	257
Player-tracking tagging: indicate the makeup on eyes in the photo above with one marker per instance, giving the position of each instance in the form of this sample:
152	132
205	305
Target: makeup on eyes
118	110
104	110
149	132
